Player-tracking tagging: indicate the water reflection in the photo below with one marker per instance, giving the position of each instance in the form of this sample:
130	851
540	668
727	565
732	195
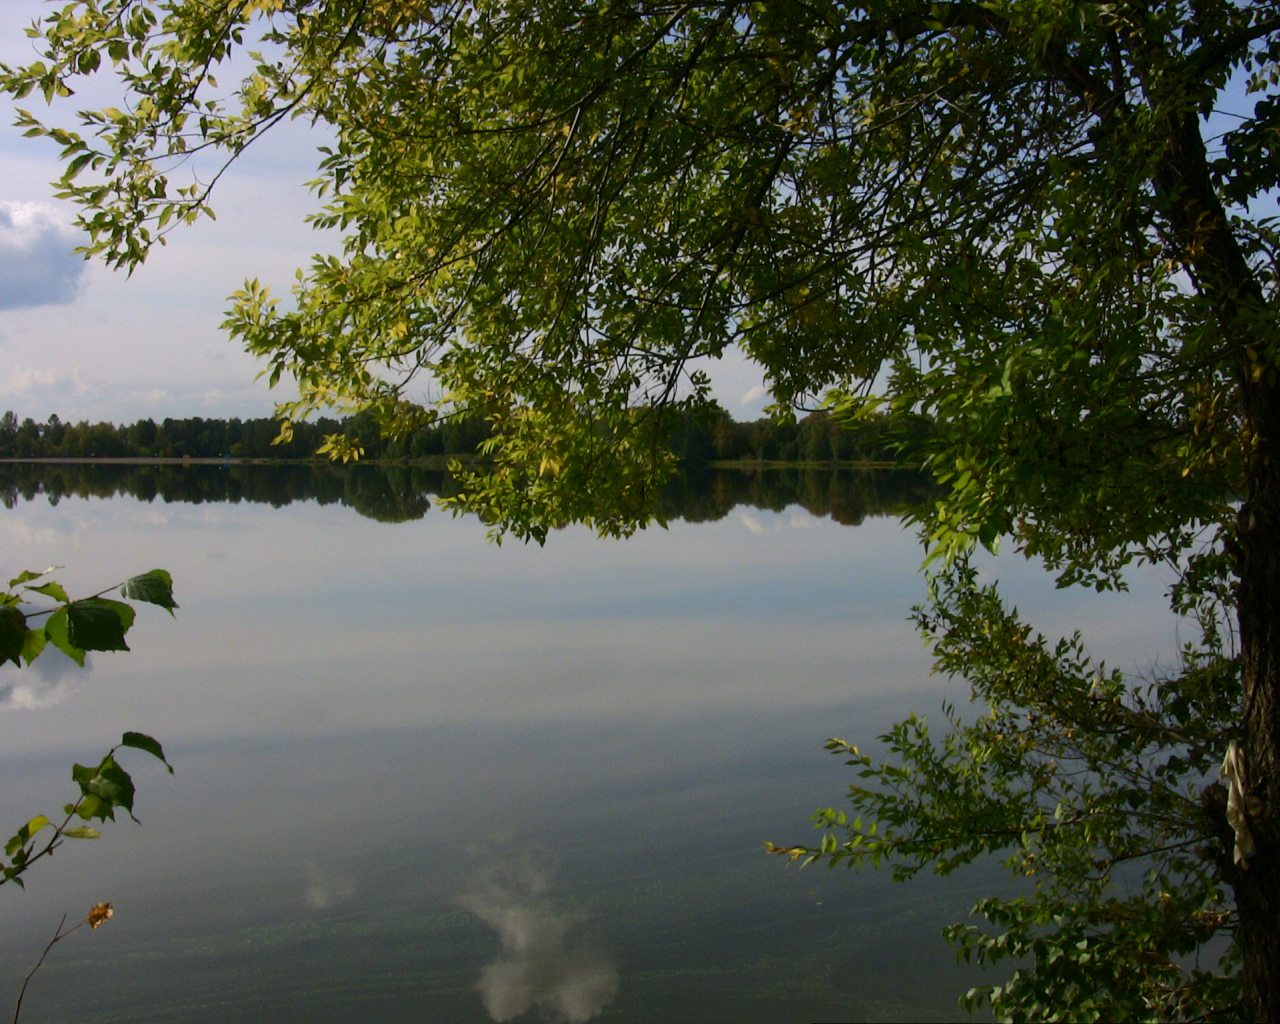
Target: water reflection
326	889
44	683
393	494
343	700
548	960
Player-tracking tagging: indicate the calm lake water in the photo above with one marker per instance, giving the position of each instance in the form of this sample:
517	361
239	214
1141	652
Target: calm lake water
420	777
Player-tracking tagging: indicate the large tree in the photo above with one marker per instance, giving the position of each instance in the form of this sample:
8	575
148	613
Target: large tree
1010	216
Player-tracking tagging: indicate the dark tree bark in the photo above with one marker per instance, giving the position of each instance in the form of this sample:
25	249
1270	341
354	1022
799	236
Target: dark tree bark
1224	277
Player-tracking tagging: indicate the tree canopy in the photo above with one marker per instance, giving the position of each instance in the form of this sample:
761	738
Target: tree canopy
1011	216
557	209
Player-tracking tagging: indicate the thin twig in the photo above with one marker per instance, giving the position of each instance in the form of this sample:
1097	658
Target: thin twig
96	916
57	935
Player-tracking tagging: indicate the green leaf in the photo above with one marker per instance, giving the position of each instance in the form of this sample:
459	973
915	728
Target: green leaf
96	624
32	644
53	590
141	741
27	575
56	632
92	806
13	634
103	789
82	832
154	587
76	166
25	833
114	785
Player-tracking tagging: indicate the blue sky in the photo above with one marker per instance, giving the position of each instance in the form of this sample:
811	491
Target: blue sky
87	343
84	342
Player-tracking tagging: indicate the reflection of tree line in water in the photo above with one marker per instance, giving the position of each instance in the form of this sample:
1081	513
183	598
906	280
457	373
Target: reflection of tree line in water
846	495
401	493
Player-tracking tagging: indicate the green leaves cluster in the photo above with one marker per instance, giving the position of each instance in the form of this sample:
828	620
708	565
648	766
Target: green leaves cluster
92	623
75	627
553	212
1091	787
104	787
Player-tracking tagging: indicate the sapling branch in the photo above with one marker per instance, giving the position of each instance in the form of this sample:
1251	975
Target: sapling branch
97	916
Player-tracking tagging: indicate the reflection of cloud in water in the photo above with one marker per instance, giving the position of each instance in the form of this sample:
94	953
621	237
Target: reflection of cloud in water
49	680
545	961
326	889
21	533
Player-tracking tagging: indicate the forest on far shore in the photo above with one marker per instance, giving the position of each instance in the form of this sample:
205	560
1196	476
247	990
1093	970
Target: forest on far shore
697	440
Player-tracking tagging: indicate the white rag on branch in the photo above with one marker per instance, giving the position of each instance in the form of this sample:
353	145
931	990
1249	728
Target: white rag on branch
1237	789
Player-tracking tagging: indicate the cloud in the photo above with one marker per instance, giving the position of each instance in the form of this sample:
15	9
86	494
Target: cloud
801	520
37	266
326	889
57	386
546	961
49	680
752	395
74	394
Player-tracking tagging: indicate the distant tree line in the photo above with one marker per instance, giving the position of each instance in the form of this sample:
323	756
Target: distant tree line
817	437
697	440
193	437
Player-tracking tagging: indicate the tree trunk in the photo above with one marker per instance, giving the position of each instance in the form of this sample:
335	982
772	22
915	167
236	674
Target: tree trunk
1257	883
1222	275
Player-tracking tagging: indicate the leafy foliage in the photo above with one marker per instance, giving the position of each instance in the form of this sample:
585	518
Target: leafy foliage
75	627
557	209
104	787
1093	790
89	624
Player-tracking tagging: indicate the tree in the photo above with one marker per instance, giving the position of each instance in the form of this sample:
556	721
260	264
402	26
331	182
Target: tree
1010	214
74	627
95	623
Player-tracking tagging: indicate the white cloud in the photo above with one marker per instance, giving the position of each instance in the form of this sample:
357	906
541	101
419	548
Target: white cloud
544	962
37	266
24	533
72	393
326	889
753	395
49	680
57	387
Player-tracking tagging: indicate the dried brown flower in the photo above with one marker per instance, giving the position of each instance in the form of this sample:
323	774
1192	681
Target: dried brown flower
99	914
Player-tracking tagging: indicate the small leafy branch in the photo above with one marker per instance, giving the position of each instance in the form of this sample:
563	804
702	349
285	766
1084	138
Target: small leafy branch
90	624
103	788
94	623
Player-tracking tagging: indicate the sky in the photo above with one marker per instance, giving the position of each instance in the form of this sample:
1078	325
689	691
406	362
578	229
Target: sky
85	342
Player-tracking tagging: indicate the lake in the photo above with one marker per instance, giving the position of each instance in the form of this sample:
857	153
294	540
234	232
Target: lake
423	777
